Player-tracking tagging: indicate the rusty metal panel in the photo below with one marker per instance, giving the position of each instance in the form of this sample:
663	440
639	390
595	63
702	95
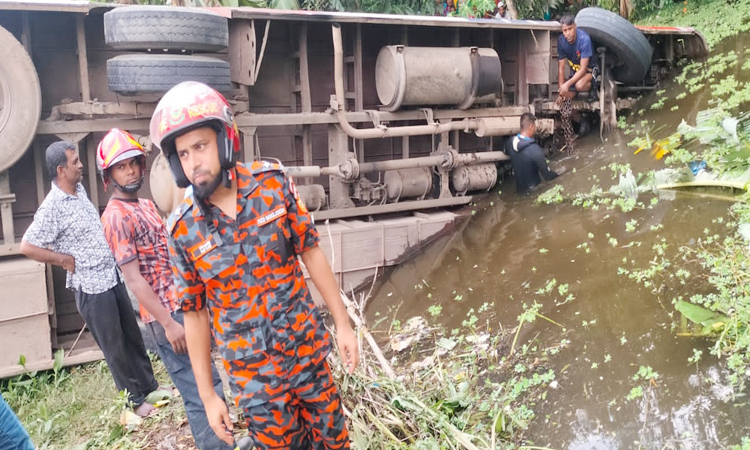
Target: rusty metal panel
242	51
24	325
553	87
54	5
68	319
24	187
538	53
506	44
54	49
385	19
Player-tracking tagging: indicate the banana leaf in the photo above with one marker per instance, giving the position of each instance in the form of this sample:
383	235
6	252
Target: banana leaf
711	321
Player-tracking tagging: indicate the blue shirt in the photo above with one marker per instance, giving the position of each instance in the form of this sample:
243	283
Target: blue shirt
581	48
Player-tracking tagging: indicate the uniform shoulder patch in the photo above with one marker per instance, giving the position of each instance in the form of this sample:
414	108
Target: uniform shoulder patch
185	206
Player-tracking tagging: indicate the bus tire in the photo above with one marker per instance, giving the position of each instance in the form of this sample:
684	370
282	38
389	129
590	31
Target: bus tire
20	100
160	28
621	38
147	73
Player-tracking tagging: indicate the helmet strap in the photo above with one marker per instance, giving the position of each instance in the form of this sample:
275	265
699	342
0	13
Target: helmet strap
225	147
175	167
128	188
131	188
226	178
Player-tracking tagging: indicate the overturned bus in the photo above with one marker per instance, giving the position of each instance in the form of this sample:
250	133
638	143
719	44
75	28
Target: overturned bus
387	122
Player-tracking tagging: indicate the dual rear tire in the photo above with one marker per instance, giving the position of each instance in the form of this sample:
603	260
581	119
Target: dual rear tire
167	38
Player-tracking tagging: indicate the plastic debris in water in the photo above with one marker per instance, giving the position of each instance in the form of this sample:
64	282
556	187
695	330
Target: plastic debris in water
414	330
744	230
628	185
730	126
697	167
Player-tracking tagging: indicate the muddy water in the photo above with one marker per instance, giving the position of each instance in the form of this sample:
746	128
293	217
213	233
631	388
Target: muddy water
512	247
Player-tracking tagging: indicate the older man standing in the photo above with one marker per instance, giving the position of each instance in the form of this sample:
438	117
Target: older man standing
67	232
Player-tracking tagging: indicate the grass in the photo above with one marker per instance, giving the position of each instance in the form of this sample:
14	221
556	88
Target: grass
79	408
461	389
465	388
715	19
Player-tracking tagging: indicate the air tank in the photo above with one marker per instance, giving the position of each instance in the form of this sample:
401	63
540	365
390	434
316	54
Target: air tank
407	183
480	177
426	76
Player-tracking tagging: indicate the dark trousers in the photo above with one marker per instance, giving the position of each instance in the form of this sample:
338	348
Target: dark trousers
181	371
110	317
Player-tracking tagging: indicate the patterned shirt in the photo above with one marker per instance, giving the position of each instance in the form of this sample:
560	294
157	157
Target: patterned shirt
135	230
246	273
70	224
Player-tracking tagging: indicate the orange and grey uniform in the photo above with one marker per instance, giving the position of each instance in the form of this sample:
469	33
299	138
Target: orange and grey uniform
270	334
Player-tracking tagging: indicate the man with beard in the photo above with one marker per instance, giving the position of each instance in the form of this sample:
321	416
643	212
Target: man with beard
67	232
234	244
138	239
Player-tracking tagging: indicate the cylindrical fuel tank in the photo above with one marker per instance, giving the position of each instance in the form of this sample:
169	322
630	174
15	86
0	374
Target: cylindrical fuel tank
480	177
164	191
312	195
407	183
435	75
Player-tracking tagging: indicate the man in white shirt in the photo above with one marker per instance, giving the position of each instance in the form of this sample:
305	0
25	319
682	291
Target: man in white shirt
67	232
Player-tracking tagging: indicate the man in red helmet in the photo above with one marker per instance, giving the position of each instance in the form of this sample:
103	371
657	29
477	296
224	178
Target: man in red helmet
234	243
138	239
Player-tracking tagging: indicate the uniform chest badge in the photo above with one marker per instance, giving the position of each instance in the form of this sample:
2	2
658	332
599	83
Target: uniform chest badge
272	215
201	249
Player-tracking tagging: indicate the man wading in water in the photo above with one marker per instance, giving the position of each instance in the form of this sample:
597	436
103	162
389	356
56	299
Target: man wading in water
527	157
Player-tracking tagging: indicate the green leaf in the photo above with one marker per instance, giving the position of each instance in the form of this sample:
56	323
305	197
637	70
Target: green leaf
711	320
284	4
253	3
58	365
117	432
158	396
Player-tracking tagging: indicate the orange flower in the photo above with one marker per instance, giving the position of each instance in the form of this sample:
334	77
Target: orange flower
684	10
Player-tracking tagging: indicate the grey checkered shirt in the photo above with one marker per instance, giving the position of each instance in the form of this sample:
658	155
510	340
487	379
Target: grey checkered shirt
70	224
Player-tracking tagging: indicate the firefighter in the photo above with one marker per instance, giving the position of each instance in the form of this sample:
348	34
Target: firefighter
234	243
138	239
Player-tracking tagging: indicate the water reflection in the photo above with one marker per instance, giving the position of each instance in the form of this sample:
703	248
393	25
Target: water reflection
512	247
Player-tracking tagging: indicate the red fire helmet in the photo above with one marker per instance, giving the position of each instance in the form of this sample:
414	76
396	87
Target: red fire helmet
185	107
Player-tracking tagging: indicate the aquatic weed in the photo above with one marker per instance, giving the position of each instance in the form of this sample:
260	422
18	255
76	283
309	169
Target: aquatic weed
552	195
